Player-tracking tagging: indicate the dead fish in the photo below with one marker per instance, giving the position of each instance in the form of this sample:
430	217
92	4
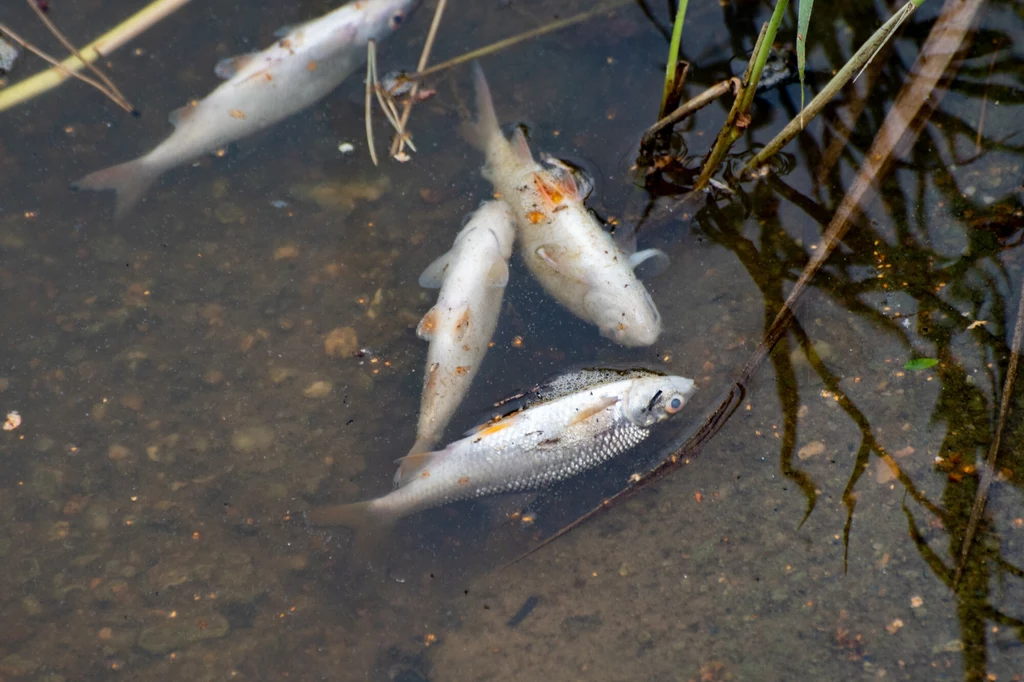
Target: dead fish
262	88
561	434
472	278
563	244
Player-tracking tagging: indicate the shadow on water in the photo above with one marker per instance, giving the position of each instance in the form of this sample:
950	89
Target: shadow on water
179	400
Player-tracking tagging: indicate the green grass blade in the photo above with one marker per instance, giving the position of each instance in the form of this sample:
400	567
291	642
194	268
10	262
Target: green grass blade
802	24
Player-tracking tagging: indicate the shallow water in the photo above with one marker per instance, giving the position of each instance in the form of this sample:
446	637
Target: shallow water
172	378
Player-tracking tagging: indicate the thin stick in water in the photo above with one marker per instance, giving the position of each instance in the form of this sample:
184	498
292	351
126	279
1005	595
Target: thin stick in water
513	40
42	82
5	31
368	108
401	137
120	99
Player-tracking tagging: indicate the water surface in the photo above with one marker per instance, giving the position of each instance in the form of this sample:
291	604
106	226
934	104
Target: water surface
172	376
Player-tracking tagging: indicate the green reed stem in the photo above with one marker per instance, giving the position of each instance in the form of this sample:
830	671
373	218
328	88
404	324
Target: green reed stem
673	59
739	115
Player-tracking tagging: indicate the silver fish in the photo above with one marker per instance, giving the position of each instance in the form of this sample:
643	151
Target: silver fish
562	243
568	428
262	88
472	277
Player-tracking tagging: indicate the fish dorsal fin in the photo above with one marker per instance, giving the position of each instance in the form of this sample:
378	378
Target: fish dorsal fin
433	276
497	276
654	261
425	329
412	464
596	408
462	324
520	147
229	66
181	114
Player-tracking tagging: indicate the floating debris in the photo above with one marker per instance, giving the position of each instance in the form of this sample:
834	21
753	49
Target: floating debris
13	421
9	53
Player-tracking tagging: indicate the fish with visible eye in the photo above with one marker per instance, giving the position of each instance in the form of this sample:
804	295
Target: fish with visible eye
567	426
563	244
472	277
262	88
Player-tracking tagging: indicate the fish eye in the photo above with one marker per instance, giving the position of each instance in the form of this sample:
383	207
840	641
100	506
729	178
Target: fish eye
674	405
396	19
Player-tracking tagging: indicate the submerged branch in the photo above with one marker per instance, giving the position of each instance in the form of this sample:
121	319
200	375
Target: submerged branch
988	471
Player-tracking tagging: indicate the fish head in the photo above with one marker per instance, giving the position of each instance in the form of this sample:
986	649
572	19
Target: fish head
654	399
377	19
623	316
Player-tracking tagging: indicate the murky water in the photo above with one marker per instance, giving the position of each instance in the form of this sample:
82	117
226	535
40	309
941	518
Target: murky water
180	409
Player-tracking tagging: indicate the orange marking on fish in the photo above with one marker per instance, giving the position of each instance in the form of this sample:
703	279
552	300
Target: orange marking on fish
535	217
495	427
311	66
425	474
237	113
600	407
464	480
461	369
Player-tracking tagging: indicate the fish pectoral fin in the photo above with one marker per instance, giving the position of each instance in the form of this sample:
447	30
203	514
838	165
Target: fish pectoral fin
554	255
497	276
557	188
425	329
412	465
229	66
520	147
181	115
585	414
654	261
433	276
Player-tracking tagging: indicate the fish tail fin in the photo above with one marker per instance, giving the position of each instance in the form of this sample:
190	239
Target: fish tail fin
130	180
486	126
368	525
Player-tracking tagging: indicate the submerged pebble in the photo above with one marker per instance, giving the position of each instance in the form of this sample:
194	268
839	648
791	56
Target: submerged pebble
180	632
318	389
812	449
341	342
252	438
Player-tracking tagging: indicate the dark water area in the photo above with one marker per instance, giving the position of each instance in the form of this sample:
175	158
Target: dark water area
242	348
